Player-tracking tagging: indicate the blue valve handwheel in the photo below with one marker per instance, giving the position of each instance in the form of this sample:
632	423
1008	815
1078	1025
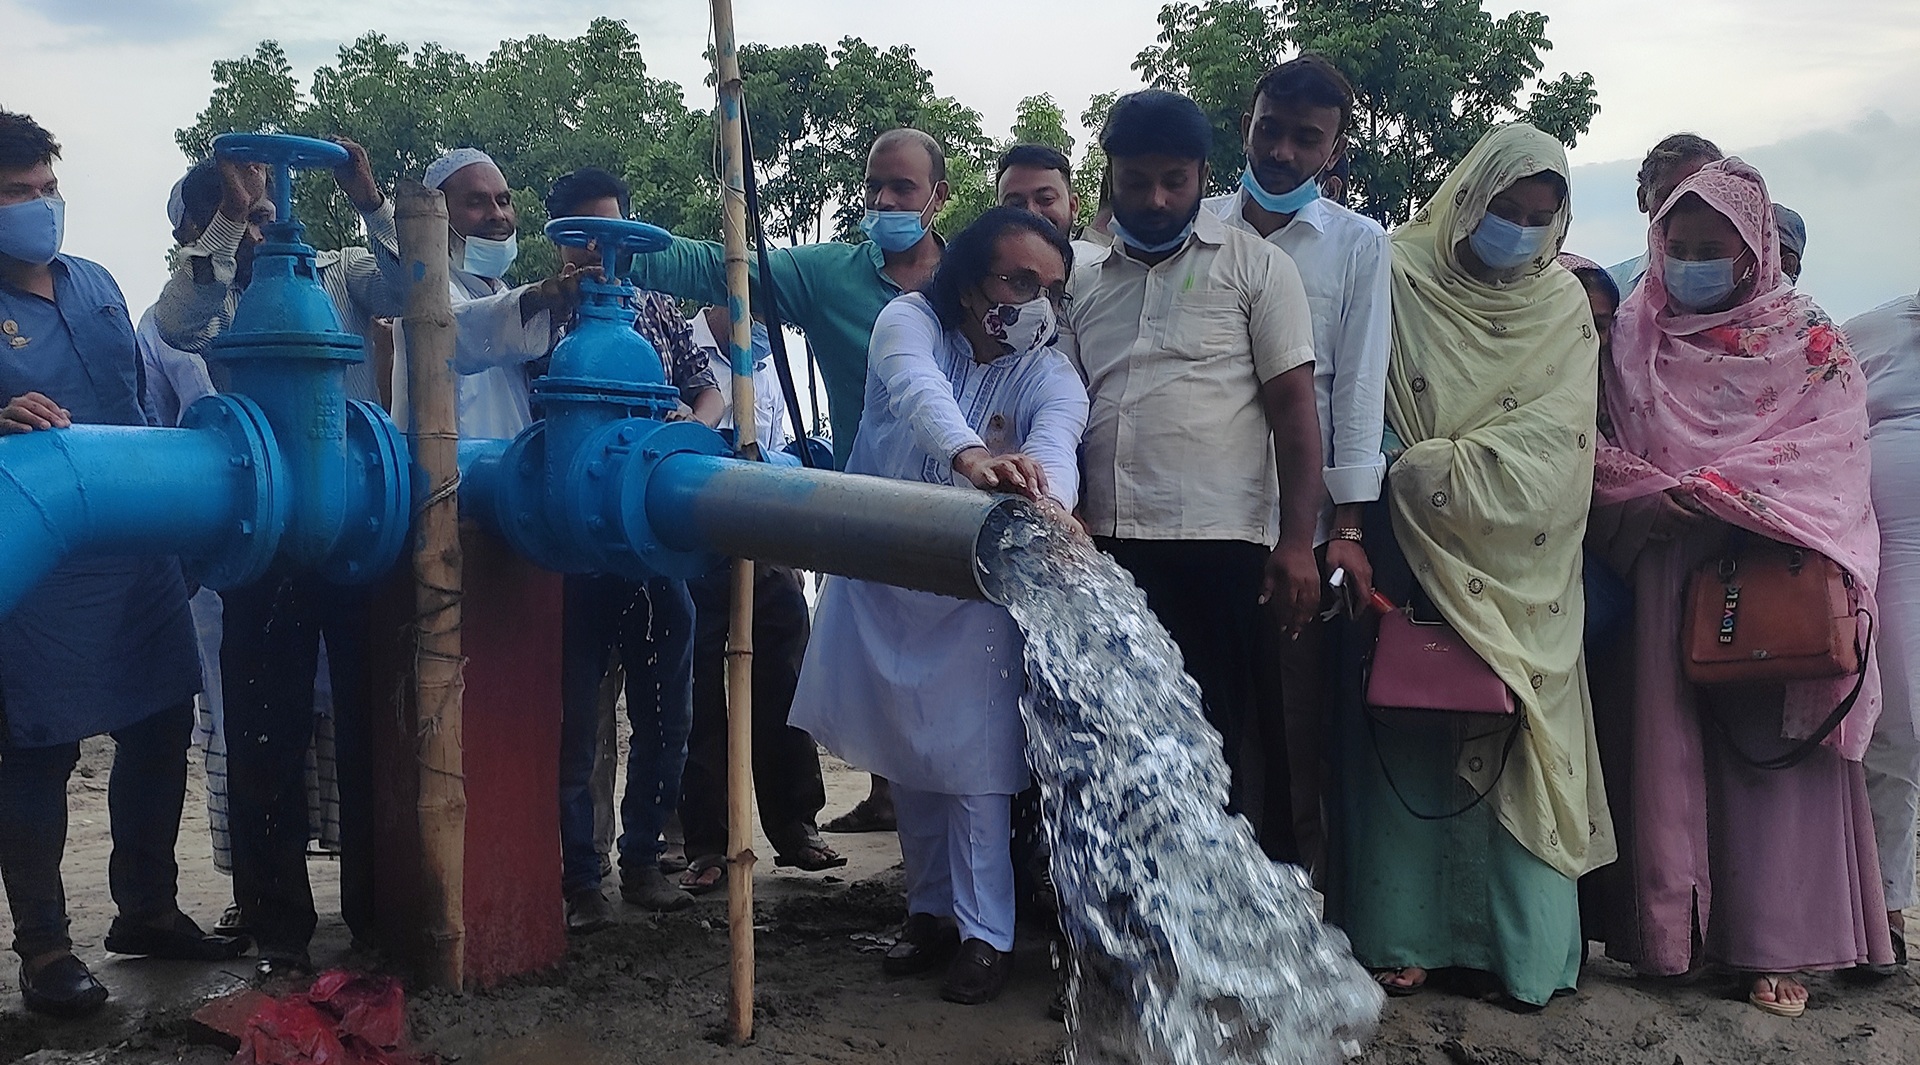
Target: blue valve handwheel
280	149
615	234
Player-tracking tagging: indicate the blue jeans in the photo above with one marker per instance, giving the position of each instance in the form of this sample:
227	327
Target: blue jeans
650	625
144	796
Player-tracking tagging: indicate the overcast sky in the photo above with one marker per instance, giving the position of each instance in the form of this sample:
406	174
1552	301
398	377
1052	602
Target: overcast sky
1824	98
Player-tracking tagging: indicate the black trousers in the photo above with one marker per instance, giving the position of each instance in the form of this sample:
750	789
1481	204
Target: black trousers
786	764
1207	594
269	651
144	798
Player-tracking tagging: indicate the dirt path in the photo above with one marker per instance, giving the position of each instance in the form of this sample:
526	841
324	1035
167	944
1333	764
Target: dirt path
654	989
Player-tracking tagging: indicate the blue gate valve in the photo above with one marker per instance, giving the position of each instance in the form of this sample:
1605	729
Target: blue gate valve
569	492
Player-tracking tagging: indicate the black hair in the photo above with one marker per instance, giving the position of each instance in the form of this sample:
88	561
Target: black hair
1553	178
1594	277
587	183
1672	151
1037	156
1156	122
24	143
200	193
968	258
1309	79
921	139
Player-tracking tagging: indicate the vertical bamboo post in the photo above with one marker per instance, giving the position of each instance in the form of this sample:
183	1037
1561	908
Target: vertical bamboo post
740	856
441	806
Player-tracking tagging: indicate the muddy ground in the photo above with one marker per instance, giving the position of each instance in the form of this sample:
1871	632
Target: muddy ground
654	989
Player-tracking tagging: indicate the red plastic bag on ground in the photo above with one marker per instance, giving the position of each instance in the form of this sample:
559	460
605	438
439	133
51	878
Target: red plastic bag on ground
345	1018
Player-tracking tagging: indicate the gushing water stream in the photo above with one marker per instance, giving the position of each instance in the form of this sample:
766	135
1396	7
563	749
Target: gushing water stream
1188	946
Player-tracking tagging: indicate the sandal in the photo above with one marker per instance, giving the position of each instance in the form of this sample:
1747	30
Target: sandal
696	880
1776	1007
866	816
813	856
1386	977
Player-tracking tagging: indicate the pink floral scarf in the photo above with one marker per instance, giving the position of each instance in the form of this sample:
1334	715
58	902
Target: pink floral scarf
1756	414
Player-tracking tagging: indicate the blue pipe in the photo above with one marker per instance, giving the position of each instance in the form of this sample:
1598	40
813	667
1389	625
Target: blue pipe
282	470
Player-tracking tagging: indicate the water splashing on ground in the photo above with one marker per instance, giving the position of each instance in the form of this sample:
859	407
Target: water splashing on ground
1189	947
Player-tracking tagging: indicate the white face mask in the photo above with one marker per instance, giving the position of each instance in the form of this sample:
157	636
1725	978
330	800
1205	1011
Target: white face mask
1020	327
486	257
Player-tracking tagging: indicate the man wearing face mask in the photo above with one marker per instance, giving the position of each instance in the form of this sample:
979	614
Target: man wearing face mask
1675	159
1295	126
832	292
101	645
499	328
1196	342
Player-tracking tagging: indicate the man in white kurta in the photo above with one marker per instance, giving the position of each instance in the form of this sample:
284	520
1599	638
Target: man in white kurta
919	688
499	328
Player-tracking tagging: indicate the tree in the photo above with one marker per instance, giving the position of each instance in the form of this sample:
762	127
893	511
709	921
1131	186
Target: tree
1090	175
1038	120
1430	77
540	106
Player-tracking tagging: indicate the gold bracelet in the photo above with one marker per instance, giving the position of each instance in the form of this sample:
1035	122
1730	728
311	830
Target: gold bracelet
1350	535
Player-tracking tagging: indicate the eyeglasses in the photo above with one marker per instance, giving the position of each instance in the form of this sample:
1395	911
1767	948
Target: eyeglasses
1026	288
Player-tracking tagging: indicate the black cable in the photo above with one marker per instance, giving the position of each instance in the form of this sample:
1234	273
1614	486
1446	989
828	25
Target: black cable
776	336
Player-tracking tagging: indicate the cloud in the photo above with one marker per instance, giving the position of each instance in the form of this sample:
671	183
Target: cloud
146	20
1855	185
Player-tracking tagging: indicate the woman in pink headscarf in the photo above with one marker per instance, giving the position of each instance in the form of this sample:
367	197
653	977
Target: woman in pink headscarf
1735	404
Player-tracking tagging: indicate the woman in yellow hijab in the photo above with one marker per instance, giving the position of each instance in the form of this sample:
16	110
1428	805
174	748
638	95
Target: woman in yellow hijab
1463	838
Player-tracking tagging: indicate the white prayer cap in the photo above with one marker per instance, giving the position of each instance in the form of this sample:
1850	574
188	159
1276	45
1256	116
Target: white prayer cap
177	204
451	163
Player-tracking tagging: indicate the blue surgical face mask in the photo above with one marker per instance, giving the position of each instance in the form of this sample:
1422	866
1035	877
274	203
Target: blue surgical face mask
1285	203
1120	233
1503	245
31	232
895	231
1695	286
486	257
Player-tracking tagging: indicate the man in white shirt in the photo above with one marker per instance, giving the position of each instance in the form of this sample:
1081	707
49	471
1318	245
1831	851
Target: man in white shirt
500	328
1293	130
1196	343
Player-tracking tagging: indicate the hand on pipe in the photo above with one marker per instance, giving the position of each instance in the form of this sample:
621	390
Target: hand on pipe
1007	473
355	178
24	414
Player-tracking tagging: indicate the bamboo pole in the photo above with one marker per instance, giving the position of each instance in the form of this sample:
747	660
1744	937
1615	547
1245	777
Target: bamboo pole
441	805
740	856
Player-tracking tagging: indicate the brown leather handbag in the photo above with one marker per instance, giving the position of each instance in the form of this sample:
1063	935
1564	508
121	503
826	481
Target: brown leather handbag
1764	612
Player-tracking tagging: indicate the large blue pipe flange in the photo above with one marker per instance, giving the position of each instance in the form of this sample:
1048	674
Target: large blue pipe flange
247	548
647	445
375	534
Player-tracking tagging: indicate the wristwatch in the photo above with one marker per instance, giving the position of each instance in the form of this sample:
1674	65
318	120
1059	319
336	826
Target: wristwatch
1350	534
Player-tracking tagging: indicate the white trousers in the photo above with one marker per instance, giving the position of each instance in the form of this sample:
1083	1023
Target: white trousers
958	862
1893	791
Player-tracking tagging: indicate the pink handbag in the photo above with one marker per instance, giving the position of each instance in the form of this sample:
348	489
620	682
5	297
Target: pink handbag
1425	665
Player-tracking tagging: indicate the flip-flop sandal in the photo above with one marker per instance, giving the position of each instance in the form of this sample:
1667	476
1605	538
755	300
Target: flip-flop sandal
811	858
693	884
865	816
1399	990
1778	1009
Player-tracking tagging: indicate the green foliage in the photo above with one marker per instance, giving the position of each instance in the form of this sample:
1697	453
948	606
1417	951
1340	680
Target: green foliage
1430	78
1092	168
540	106
1215	52
1038	120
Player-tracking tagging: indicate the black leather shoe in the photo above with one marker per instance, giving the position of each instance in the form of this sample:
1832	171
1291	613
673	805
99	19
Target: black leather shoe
62	988
179	940
977	975
588	911
924	945
279	965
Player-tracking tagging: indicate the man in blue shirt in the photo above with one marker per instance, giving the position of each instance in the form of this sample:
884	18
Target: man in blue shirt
100	645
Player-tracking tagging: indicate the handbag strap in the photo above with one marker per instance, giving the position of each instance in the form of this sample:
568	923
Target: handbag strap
1506	753
1803	750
